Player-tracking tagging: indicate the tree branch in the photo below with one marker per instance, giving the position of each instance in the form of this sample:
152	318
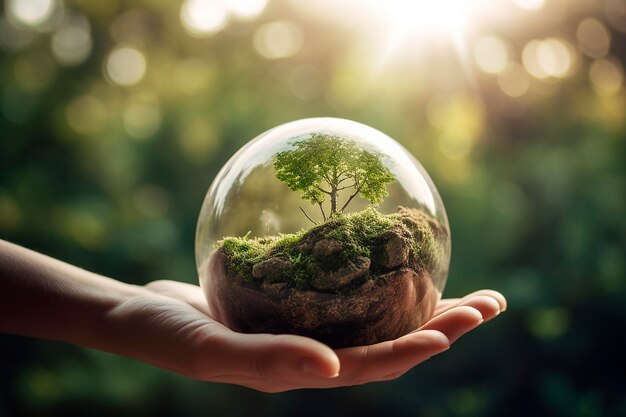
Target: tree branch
322	210
347	186
351	197
322	190
343	179
307	216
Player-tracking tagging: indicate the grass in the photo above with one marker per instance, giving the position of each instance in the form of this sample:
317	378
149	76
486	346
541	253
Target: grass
358	232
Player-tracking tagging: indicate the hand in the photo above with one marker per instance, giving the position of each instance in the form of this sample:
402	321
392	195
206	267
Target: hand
169	324
171	328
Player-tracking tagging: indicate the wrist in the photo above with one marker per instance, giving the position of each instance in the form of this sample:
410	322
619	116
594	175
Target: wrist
45	298
112	331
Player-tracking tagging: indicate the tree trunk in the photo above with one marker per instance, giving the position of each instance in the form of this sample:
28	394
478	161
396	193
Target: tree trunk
333	201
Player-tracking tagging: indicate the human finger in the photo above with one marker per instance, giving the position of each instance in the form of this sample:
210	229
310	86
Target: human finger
487	306
455	322
268	356
449	303
381	361
364	364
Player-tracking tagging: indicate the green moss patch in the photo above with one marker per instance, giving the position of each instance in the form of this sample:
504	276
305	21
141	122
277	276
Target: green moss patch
299	257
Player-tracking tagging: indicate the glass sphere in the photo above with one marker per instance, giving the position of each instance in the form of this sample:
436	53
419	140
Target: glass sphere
323	227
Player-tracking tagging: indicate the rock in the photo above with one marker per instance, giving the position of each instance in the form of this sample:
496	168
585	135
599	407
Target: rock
419	224
271	269
392	252
326	247
342	277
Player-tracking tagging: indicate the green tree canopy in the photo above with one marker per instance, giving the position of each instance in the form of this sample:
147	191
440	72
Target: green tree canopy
323	166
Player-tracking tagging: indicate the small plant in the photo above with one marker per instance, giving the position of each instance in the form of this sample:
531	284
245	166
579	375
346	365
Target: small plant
323	166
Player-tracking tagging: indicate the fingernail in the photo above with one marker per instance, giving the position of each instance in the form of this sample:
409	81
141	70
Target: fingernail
312	366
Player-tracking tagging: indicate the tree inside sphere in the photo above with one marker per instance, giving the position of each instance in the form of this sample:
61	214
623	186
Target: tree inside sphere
325	228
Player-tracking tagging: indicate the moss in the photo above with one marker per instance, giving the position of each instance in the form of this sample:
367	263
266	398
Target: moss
359	231
243	253
359	234
424	242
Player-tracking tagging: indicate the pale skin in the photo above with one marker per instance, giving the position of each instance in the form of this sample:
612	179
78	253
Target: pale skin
168	324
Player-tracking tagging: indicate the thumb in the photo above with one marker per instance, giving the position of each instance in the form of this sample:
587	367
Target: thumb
270	356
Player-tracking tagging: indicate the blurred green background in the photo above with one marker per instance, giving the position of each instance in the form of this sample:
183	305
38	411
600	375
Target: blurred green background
116	115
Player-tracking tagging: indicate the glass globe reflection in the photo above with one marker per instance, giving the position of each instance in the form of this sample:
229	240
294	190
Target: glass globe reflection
326	228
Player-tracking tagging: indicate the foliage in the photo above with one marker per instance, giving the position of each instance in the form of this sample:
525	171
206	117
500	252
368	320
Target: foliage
324	165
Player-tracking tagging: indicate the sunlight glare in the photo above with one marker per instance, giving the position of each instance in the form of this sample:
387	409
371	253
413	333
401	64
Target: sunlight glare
420	17
247	9
204	17
529	4
491	54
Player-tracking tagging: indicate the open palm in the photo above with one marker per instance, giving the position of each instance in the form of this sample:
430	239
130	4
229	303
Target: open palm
171	327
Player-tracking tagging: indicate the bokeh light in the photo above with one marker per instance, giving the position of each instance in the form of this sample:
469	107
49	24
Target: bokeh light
204	17
246	9
10	214
514	80
71	43
607	76
551	57
491	54
115	117
125	66
197	138
86	114
32	13
549	323
455	143
280	39
141	119
593	37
